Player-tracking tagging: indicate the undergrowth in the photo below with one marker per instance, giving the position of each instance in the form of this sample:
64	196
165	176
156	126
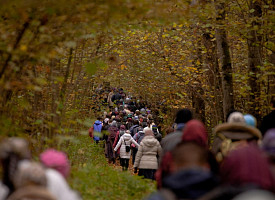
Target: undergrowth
94	178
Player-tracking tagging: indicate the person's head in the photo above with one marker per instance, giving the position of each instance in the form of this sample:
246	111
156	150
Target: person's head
57	160
247	166
99	118
183	116
188	155
195	131
148	132
122	128
136	122
155	128
12	151
236	117
250	120
29	174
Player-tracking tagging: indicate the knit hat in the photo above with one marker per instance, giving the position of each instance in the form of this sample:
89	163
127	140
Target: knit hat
250	120
57	160
236	117
247	165
122	127
195	131
268	144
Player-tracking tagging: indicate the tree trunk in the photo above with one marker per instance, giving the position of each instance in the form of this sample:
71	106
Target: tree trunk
225	61
254	59
214	76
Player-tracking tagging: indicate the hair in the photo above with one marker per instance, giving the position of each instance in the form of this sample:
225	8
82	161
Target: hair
189	154
136	122
183	116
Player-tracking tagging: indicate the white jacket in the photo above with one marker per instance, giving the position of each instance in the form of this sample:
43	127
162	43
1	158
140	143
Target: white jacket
127	139
146	157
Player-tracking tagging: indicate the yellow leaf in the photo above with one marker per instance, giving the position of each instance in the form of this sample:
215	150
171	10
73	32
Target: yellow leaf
23	47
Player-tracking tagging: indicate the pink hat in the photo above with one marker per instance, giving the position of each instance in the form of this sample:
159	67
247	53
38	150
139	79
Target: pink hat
57	160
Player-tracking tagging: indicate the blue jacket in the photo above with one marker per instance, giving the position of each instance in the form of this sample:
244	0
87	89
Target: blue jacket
97	129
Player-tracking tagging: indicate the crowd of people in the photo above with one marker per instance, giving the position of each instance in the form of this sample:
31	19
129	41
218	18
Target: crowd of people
239	164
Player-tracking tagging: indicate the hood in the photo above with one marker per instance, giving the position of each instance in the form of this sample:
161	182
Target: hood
126	136
141	133
97	122
237	131
149	141
190	183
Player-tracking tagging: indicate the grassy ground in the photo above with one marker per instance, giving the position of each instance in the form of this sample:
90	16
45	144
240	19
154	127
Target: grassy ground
94	178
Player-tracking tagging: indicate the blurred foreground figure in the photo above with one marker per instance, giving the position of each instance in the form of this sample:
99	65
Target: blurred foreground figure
243	169
57	170
190	176
268	146
194	132
12	151
269	120
233	134
170	141
31	183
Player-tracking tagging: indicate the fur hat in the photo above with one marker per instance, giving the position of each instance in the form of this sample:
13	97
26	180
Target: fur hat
30	173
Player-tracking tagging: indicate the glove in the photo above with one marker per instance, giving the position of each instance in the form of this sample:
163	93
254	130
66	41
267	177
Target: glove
135	170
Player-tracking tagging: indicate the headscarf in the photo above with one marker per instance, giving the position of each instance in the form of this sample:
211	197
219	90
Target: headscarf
246	166
57	160
195	131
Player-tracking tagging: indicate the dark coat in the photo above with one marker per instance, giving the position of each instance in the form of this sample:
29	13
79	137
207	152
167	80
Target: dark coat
186	184
268	122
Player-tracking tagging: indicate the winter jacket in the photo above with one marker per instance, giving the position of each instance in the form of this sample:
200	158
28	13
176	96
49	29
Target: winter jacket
58	186
32	192
146	157
169	142
186	184
125	139
97	129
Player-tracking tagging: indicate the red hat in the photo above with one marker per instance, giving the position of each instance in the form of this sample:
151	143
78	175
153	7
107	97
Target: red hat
195	131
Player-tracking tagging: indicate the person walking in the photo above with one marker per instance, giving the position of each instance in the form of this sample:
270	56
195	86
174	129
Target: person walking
124	143
146	158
